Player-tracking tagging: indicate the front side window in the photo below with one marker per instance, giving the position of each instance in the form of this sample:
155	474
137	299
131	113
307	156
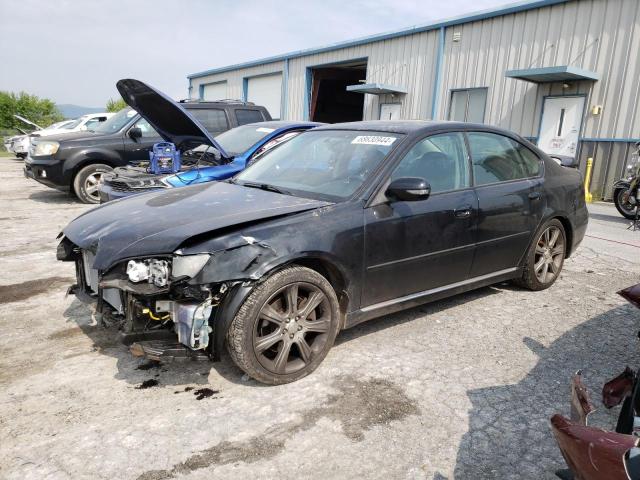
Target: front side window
497	158
146	129
468	105
329	164
213	119
441	160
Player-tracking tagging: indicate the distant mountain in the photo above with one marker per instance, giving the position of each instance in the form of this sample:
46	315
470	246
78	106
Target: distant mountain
75	111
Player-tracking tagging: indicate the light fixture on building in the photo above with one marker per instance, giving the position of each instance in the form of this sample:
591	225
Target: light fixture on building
596	109
566	85
457	36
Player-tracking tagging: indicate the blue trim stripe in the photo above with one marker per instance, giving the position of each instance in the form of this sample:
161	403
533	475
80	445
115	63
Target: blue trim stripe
438	75
625	140
481	15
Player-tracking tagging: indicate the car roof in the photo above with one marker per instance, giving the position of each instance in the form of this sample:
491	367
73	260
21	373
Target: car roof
283	124
409	126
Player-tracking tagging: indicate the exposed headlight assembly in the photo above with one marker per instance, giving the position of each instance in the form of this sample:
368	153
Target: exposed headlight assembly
148	183
151	270
188	265
46	148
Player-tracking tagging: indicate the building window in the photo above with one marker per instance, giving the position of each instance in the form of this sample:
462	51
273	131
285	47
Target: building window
468	105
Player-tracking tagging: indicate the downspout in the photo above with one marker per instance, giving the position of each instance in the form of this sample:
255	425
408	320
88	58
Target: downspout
189	90
285	90
437	81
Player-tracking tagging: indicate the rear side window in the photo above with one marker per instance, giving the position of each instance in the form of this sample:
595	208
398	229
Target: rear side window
497	158
213	119
530	159
244	116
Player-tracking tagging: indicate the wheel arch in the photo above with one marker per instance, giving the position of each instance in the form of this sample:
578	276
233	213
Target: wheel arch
76	163
568	231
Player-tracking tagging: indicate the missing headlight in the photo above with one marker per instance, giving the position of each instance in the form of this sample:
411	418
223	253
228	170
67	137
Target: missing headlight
151	270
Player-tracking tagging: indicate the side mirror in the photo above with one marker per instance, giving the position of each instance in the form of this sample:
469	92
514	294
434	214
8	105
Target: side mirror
83	128
409	189
566	161
135	133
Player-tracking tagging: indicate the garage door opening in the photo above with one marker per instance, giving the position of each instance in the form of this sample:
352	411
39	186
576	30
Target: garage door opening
330	100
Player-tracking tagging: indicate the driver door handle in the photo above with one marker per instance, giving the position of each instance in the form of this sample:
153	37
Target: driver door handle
534	195
463	212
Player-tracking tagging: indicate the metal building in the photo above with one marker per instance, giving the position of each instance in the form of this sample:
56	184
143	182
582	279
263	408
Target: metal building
563	73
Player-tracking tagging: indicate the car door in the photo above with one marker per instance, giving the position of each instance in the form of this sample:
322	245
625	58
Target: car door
139	148
510	201
415	246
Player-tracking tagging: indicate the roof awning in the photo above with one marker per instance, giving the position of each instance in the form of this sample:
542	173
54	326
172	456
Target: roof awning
376	89
562	73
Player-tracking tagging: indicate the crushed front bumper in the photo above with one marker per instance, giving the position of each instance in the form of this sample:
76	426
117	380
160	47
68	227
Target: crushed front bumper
154	321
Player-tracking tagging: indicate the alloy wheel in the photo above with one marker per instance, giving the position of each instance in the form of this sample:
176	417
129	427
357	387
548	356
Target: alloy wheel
549	254
92	184
292	328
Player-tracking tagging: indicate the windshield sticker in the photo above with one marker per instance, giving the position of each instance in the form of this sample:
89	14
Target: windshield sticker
373	140
265	130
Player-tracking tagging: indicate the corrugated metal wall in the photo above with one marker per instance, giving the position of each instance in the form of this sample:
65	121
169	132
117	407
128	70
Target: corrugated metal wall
234	78
405	61
598	35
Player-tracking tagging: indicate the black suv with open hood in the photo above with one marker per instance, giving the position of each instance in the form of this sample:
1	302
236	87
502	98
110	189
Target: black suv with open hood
75	162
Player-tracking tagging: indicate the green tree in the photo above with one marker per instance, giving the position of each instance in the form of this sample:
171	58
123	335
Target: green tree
39	110
115	105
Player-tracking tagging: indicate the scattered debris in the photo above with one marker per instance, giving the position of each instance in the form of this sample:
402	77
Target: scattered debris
147	384
204	393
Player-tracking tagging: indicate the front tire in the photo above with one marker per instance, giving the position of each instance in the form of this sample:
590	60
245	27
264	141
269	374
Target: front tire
87	182
286	326
545	257
626	210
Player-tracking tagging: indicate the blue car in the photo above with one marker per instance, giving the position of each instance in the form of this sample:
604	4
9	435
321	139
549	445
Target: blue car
242	146
203	158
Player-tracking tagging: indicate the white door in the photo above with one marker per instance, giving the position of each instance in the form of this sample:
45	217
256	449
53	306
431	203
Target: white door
215	91
390	111
266	90
560	126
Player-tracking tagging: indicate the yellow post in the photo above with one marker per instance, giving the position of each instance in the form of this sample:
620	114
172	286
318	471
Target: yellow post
587	181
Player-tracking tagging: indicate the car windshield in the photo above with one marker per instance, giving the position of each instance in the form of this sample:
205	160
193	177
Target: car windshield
115	123
73	124
238	140
329	164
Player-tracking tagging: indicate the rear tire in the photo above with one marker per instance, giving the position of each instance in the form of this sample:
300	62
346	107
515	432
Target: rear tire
87	181
626	210
286	326
545	257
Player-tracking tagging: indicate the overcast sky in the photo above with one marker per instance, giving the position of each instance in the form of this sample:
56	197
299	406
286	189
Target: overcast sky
73	51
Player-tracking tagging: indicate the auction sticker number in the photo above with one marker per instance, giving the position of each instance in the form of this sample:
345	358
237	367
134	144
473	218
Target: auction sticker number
373	140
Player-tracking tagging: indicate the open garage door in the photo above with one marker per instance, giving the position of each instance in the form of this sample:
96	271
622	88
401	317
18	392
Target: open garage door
214	91
266	90
330	100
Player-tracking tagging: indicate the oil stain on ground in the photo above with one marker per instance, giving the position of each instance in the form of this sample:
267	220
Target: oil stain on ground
359	405
18	292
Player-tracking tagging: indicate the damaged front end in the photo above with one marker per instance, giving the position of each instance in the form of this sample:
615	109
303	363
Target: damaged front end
152	302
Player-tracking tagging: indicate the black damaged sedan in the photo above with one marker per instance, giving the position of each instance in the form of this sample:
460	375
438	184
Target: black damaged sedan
342	224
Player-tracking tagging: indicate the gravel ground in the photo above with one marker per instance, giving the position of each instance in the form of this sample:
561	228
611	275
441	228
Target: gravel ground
461	388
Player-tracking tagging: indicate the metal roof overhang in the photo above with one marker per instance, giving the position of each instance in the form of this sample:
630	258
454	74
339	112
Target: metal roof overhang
562	73
376	89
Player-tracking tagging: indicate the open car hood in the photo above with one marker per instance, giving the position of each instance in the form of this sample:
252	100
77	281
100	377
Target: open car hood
172	122
28	122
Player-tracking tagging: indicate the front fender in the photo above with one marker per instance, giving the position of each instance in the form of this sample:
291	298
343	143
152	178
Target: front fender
622	183
87	156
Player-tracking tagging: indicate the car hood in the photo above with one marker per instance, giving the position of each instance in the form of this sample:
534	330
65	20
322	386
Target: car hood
171	121
158	223
66	137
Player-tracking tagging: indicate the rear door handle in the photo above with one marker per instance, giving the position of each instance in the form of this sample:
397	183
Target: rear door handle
534	195
463	212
